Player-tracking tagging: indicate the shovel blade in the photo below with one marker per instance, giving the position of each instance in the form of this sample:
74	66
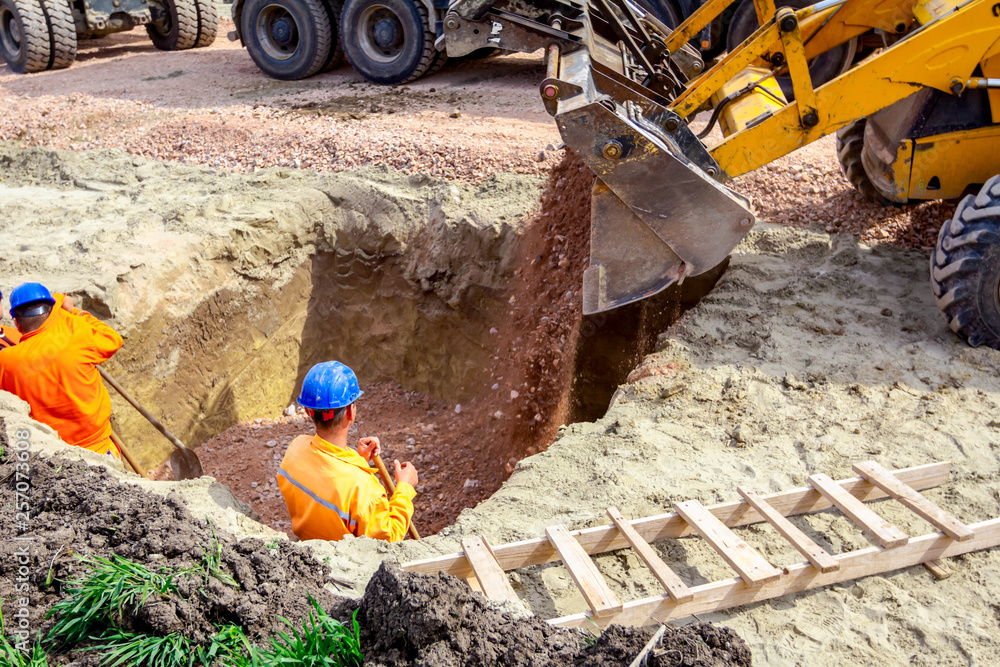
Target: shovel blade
185	464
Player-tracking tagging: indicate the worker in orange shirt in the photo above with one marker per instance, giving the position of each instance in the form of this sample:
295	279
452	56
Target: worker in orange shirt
54	366
8	335
329	488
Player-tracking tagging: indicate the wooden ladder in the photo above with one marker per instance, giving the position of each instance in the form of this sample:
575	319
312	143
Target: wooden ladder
485	568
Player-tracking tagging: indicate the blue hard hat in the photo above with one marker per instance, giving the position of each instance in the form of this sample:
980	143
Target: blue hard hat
28	293
329	386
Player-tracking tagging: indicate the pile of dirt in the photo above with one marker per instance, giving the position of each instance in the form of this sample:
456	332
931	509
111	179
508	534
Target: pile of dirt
435	620
407	619
79	510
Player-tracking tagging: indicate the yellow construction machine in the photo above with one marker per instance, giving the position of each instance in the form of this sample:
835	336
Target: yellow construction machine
913	93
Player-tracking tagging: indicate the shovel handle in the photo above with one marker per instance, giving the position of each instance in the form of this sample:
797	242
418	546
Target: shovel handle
142	411
391	487
128	456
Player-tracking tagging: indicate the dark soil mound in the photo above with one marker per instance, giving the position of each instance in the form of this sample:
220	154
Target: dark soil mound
79	510
434	620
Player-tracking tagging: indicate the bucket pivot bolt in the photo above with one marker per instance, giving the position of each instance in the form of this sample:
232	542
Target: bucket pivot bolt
787	21
613	150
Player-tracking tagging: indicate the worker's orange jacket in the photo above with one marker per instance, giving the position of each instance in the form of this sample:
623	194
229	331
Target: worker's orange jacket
54	369
9	336
331	491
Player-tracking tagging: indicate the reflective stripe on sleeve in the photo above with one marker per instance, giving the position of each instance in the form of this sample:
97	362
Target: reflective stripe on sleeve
351	525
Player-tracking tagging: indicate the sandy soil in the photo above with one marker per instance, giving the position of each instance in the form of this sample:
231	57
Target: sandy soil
214	107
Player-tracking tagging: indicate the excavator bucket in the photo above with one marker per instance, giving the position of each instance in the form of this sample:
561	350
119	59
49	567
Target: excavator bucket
660	212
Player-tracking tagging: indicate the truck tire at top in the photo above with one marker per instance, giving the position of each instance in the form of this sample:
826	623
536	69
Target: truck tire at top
208	23
388	41
336	58
288	39
965	268
36	35
185	25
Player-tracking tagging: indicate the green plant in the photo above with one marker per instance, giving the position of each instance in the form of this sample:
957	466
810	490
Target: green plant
12	656
211	561
229	648
112	589
323	642
590	637
133	650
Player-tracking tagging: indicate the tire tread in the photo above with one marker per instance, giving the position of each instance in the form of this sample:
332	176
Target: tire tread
850	144
35	42
966	255
62	33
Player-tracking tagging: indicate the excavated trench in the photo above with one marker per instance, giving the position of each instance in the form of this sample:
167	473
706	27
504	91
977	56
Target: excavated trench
470	345
457	306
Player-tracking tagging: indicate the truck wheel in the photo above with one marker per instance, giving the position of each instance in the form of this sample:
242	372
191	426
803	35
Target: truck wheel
288	39
823	68
208	23
388	41
965	268
177	27
36	35
334	8
850	145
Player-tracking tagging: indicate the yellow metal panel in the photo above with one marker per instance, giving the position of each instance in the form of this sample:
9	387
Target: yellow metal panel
927	10
947	49
956	160
855	18
765	10
752	107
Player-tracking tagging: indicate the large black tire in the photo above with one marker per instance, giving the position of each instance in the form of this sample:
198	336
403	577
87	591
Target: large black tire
388	41
208	23
850	145
822	69
177	29
334	8
36	35
965	268
288	39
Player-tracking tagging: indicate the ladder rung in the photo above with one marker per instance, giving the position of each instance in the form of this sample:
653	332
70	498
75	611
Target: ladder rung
751	566
676	588
595	590
884	533
906	495
492	579
814	553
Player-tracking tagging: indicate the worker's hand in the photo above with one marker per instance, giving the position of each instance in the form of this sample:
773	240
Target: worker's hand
405	472
67	303
369	448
